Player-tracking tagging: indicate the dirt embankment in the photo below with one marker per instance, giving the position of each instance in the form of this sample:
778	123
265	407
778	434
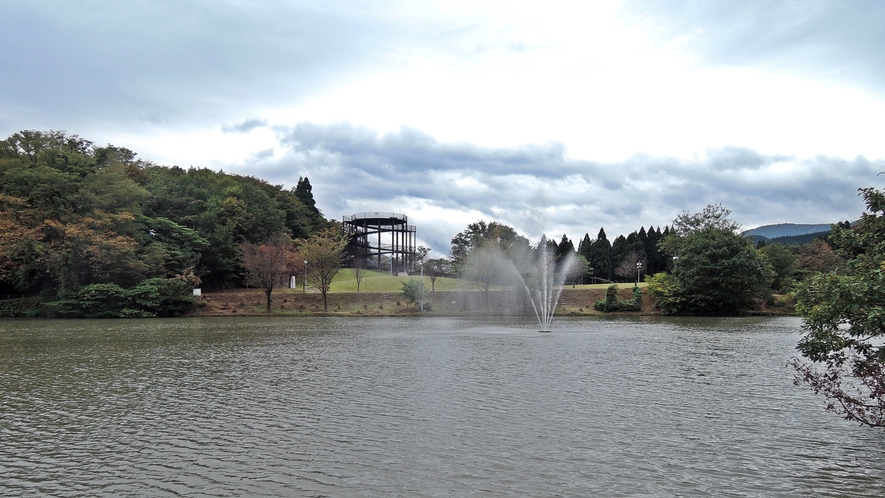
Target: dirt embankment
251	302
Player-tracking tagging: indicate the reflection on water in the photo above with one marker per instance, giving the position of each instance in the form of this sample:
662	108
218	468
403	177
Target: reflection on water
419	407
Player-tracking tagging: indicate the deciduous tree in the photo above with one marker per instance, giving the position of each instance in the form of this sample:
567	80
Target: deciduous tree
325	255
627	268
717	272
783	264
844	319
435	268
267	264
358	268
577	268
413	290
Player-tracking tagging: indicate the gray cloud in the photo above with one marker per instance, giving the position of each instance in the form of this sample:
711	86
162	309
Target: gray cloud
68	64
141	65
539	189
262	155
828	39
245	127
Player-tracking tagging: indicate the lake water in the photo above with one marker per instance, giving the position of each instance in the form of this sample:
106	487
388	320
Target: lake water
419	407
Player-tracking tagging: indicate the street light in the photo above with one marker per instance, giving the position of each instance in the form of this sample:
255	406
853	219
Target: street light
638	268
304	283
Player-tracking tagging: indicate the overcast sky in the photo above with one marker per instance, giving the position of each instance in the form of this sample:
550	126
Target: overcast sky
553	117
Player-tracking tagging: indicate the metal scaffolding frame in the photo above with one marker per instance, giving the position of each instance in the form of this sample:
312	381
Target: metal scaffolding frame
374	235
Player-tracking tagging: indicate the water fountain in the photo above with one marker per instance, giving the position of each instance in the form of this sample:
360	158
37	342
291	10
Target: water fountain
543	284
532	271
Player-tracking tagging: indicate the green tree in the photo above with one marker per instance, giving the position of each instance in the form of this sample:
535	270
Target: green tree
413	290
600	256
716	271
481	234
584	246
419	257
324	253
620	251
564	248
435	268
783	264
486	267
844	320
483	254
713	216
304	192
656	261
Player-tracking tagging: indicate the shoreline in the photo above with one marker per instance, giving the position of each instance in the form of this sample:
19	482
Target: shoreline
469	303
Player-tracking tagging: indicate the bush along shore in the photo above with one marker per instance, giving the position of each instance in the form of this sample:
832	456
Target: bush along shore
292	302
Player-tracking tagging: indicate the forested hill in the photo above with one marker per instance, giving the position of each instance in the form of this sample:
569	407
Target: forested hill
787	230
73	214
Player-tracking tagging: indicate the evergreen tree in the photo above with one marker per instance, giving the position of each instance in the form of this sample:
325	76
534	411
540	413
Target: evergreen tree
304	192
564	247
600	256
642	238
656	261
585	247
620	248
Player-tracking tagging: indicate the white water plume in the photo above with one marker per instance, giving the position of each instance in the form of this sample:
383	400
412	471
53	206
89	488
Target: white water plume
528	270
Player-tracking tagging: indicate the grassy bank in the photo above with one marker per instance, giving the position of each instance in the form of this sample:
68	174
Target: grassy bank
380	295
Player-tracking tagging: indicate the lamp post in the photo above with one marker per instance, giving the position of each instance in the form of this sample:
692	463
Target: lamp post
304	283
638	269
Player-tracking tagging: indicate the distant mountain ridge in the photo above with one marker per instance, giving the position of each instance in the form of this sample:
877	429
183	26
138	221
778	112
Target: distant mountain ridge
786	230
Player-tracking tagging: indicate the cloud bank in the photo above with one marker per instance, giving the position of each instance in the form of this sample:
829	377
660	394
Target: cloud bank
554	118
539	189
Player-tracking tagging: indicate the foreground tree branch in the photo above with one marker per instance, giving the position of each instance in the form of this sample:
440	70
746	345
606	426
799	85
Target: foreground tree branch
844	315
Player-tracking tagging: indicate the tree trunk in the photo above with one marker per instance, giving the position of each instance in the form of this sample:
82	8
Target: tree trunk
267	293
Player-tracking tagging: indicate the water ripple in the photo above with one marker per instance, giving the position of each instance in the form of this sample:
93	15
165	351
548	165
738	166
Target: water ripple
430	407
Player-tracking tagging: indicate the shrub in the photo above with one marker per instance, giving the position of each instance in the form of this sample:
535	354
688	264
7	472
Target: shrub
151	297
612	303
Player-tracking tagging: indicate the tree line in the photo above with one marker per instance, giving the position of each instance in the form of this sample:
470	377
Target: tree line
87	230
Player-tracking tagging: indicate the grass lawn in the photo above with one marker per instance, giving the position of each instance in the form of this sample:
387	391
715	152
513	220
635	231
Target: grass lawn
377	281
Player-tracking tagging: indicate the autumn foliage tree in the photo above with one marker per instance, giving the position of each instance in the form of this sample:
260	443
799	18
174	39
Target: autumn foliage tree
74	216
324	253
266	265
